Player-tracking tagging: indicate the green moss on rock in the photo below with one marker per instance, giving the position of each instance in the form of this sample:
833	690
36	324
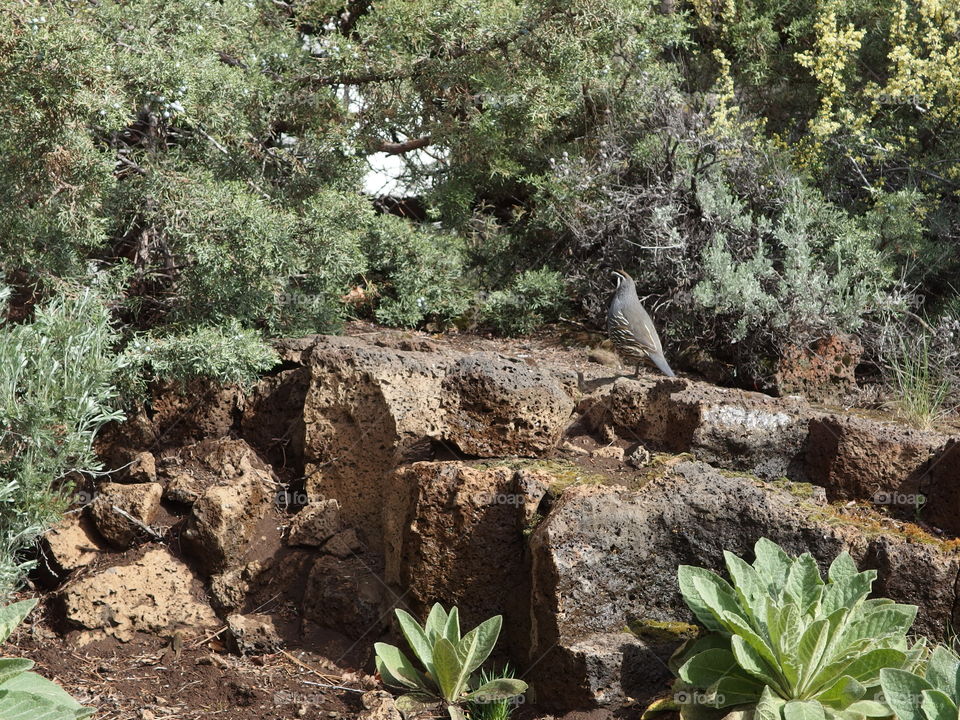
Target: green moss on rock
659	631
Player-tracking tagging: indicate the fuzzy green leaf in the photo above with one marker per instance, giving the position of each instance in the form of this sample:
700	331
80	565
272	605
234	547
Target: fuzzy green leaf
772	565
435	624
396	669
686	574
12	615
708	667
448	669
943	668
937	705
451	629
500	689
416	638
902	691
803	710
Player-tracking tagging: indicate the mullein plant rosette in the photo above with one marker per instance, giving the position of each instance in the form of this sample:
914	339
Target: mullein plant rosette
449	663
933	694
25	695
782	644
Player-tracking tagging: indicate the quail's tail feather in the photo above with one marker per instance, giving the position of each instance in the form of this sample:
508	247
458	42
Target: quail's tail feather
661	362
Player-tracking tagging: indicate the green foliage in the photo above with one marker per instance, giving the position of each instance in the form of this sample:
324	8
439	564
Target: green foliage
496	87
57	377
419	274
449	662
923	380
807	271
859	93
225	354
25	695
533	298
787	643
494	709
932	695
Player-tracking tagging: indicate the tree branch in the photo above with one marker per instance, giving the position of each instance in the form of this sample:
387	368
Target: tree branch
398	148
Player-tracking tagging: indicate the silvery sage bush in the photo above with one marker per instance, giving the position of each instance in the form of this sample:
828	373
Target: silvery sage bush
785	645
25	695
449	662
933	695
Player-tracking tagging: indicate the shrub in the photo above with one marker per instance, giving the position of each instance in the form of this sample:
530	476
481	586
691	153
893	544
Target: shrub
57	376
533	298
228	355
449	662
740	255
419	274
787	643
933	695
25	695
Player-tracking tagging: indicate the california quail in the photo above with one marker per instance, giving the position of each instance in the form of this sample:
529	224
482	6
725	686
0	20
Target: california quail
631	328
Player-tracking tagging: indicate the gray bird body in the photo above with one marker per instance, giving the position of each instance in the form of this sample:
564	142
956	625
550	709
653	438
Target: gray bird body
631	328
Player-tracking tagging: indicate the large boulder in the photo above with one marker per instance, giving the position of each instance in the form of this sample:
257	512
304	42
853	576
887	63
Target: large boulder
155	594
940	486
865	459
454	534
225	519
733	429
370	409
499	406
606	558
822	370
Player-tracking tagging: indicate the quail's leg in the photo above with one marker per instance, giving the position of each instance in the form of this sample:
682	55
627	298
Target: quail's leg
636	373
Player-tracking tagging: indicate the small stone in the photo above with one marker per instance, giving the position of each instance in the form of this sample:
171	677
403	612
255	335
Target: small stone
142	468
252	634
184	487
378	705
639	458
140	501
575	449
344	544
610	451
315	524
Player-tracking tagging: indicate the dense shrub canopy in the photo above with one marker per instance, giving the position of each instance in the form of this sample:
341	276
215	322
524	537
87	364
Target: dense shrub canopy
767	170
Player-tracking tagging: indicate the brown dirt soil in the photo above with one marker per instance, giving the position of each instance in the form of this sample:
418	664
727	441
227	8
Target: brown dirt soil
188	679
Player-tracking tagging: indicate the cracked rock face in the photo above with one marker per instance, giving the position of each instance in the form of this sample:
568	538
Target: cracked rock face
607	557
224	519
154	594
455	533
370	409
861	458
